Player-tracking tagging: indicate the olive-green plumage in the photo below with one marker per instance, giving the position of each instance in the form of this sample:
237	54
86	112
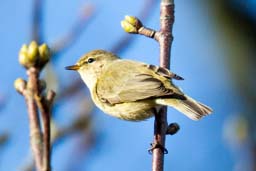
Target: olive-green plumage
132	90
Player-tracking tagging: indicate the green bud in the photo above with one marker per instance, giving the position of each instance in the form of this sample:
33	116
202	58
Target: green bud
20	85
128	27
131	19
131	24
33	52
23	58
28	54
34	55
44	53
24	48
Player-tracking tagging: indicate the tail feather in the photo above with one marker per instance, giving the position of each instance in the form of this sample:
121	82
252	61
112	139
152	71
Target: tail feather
190	107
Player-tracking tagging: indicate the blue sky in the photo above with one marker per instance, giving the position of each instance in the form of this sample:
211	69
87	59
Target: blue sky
197	56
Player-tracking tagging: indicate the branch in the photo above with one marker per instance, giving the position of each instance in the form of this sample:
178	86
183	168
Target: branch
27	90
80	124
164	37
165	41
44	104
34	58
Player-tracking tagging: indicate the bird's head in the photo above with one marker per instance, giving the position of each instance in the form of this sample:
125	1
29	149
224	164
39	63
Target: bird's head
91	64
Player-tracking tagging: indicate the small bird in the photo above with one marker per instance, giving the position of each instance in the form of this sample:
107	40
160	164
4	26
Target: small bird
132	90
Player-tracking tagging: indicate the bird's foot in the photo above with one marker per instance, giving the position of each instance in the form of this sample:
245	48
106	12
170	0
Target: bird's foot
157	145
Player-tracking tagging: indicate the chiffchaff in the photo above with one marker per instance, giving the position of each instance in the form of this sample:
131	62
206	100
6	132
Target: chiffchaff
133	90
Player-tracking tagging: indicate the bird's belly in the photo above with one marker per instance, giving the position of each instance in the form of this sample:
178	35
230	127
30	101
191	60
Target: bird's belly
132	111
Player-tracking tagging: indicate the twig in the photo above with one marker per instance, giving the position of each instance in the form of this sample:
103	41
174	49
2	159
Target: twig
44	106
164	37
80	124
165	41
34	58
123	42
36	101
35	132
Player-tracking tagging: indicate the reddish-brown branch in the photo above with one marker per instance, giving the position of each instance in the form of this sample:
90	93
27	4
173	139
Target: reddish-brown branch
47	141
44	105
160	125
47	129
165	41
36	101
166	24
164	37
35	132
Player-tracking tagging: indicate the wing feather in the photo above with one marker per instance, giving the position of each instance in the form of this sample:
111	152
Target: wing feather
128	81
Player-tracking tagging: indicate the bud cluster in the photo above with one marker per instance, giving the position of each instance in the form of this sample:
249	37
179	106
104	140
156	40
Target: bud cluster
33	55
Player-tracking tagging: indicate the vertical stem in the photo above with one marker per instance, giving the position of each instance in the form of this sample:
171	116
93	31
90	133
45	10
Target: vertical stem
35	132
47	142
166	24
45	105
45	113
159	138
40	143
165	41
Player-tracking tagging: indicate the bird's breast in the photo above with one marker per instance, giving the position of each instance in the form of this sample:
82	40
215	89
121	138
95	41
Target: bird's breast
132	111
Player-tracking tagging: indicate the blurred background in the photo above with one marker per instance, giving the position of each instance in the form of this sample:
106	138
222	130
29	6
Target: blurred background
214	49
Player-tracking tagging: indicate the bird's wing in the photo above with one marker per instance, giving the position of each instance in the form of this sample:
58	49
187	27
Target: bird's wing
164	72
128	81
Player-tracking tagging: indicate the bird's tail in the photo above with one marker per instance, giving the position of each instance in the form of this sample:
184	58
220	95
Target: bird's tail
190	107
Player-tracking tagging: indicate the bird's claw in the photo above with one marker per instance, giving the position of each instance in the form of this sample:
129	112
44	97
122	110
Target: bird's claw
157	145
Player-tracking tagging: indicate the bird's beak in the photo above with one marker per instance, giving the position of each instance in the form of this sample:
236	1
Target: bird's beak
72	67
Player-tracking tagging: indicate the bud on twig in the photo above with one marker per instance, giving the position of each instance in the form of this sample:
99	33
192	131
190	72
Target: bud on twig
24	58
172	129
131	24
34	55
32	51
44	53
20	85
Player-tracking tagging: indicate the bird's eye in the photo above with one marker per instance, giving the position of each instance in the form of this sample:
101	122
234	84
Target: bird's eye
90	60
